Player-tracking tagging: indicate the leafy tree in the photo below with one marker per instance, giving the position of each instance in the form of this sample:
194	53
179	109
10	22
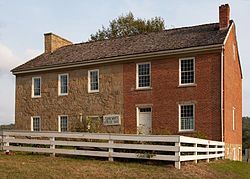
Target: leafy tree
246	132
127	25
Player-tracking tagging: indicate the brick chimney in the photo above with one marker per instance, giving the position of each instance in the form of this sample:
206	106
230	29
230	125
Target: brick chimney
53	42
224	16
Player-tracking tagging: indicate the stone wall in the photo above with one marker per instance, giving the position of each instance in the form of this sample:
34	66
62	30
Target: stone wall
77	103
233	151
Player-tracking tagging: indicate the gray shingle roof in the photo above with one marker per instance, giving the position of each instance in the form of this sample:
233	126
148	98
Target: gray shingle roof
172	39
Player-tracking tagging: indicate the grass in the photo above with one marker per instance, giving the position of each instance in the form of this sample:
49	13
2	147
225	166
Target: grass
22	165
232	169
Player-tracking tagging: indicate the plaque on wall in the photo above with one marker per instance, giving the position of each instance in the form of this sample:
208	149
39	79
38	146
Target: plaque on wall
111	120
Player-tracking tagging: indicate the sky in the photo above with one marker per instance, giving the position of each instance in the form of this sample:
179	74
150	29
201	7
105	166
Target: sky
23	23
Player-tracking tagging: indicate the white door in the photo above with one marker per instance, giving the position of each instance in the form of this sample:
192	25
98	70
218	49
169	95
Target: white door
144	121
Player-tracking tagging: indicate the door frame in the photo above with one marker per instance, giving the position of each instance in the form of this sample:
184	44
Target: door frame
138	106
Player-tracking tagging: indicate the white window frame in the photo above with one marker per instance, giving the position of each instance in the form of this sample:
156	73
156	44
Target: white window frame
233	118
179	111
89	81
186	84
234	52
32	125
32	90
59	123
59	84
137	75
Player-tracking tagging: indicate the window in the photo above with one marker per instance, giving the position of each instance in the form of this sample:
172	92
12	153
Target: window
143	78
35	123
93	81
145	109
63	84
233	118
186	117
234	51
187	71
36	87
63	123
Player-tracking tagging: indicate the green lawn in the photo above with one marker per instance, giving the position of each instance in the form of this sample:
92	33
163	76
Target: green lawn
23	165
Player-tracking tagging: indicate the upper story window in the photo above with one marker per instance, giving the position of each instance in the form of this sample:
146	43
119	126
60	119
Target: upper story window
187	71
36	123
186	117
63	123
234	52
93	81
143	75
36	87
63	83
234	126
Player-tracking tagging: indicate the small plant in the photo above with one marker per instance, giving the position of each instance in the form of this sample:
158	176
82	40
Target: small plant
161	131
200	135
145	155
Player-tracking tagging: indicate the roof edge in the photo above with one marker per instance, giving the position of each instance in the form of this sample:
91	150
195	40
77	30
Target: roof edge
123	58
225	41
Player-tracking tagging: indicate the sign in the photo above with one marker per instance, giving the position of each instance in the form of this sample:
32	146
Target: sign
111	120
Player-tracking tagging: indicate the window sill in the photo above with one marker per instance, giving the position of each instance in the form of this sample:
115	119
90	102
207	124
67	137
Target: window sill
143	89
187	85
186	131
63	94
36	97
93	91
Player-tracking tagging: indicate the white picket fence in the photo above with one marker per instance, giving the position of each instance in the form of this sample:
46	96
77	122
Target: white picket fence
154	147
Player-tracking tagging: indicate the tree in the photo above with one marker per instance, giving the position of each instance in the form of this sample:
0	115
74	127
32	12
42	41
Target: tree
127	25
246	132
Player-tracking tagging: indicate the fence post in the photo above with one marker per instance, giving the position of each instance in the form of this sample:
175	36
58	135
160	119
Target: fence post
52	146
1	140
195	153
207	146
111	150
247	154
216	152
177	163
224	152
7	144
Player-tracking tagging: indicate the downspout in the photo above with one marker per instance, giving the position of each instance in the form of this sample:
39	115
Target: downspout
222	93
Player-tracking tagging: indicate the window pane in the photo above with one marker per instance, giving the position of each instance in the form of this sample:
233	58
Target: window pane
64	123
187	71
64	84
94	75
37	86
144	75
187	117
145	109
36	124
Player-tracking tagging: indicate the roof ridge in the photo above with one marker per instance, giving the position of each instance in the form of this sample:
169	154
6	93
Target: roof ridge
168	39
146	33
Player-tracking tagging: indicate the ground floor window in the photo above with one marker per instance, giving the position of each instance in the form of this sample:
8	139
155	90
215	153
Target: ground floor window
186	117
35	123
63	123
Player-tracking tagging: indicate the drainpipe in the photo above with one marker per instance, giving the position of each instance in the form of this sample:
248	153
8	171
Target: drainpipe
222	93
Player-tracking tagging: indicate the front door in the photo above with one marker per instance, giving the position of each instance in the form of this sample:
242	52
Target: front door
144	125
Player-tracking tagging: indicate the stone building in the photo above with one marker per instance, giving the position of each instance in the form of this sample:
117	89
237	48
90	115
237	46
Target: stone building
184	81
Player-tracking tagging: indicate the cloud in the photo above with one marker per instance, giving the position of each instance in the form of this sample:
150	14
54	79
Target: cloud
7	59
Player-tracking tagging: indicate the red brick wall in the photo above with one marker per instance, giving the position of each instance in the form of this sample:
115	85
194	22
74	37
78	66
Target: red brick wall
232	92
165	96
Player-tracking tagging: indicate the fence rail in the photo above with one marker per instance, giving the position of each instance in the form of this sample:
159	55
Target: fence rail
154	147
